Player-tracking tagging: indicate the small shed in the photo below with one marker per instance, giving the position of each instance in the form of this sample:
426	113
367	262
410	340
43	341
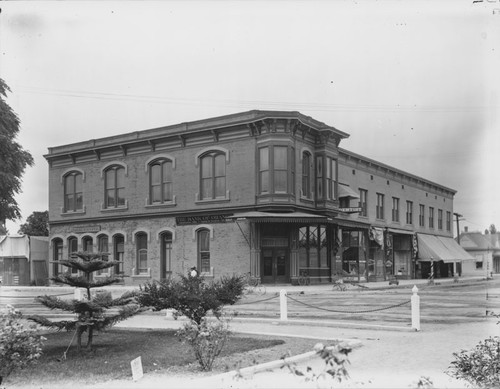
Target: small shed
24	260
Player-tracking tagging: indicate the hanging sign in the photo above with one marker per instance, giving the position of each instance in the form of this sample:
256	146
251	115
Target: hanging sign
350	210
183	220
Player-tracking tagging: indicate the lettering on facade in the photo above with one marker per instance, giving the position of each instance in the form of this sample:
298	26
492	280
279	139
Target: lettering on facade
82	229
350	210
183	220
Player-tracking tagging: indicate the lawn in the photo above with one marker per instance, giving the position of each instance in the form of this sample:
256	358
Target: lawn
160	351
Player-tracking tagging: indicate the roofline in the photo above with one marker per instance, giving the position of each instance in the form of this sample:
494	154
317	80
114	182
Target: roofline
388	167
208	124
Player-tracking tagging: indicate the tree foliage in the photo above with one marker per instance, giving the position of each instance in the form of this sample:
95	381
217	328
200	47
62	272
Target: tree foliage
493	229
192	296
13	158
37	224
96	311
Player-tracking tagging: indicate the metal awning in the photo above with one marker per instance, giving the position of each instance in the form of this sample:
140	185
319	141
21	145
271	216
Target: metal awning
346	191
277	217
440	248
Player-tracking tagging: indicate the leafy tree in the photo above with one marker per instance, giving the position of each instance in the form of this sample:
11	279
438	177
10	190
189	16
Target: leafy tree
13	159
96	312
192	296
37	224
493	229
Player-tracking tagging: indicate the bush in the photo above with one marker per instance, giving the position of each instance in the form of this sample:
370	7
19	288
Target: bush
207	339
480	367
20	346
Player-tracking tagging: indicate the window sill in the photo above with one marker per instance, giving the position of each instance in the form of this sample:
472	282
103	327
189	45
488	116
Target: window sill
309	200
208	274
73	213
115	209
162	205
211	201
139	276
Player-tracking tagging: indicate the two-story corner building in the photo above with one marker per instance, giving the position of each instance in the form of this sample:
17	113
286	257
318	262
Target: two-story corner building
262	192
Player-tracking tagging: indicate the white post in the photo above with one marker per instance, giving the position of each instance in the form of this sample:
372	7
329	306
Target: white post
283	305
415	309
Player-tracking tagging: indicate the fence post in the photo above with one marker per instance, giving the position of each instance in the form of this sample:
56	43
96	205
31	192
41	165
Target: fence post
415	309
283	305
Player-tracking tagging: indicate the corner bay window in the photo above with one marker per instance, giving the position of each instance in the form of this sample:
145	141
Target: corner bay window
276	169
306	175
213	176
73	193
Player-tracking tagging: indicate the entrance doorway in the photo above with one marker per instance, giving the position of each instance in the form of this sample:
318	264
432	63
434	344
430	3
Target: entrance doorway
274	265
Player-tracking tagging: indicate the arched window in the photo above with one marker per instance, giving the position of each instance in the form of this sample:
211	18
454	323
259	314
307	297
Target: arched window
118	252
306	175
73	192
160	178
72	248
57	255
213	175
203	243
102	247
87	244
141	240
114	184
166	255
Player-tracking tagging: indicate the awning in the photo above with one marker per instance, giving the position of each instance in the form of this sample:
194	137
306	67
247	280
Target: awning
276	217
440	248
346	191
402	232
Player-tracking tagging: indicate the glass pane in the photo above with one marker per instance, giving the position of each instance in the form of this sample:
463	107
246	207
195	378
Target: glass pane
206	167
155	174
69	203
334	170
141	240
167	192
78	183
70	184
328	168
103	244
79	201
220	165
264	181
268	263
121	198
281	263
280	157
110	198
264	158
220	187
156	194
110	179
167	171
204	240
206	188
120	177
280	182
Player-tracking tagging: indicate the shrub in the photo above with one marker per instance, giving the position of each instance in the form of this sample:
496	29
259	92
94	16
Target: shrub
480	367
20	346
207	339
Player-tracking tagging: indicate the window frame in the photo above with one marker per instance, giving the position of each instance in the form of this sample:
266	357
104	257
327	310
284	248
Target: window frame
421	215
331	178
115	169
72	241
409	212
213	157
363	202
431	217
74	175
141	238
203	253
268	174
163	164
306	174
448	221
380	206
440	219
395	209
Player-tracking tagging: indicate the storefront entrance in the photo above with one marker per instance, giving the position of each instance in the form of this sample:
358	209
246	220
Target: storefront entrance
274	265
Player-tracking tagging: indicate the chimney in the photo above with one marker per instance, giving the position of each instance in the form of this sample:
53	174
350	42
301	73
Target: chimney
466	229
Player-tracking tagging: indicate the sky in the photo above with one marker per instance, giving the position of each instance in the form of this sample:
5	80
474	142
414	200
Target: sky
414	83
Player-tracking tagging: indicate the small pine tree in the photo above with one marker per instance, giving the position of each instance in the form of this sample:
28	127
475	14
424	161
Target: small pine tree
94	313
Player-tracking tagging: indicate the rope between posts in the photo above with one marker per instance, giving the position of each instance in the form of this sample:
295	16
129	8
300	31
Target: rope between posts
258	301
363	311
31	297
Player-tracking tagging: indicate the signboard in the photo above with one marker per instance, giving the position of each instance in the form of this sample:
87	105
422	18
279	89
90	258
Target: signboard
137	372
82	229
350	210
183	220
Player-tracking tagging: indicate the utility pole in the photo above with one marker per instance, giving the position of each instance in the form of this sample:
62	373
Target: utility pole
458	216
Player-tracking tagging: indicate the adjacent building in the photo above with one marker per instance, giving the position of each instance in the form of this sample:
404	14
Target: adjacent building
485	248
268	193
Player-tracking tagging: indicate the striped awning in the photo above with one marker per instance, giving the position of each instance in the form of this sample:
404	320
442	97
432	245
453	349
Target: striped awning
440	248
278	217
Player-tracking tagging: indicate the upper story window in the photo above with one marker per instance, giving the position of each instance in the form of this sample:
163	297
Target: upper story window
421	216
409	212
380	206
213	175
73	192
306	174
431	217
395	209
448	221
276	169
440	219
114	187
160	181
363	202
331	178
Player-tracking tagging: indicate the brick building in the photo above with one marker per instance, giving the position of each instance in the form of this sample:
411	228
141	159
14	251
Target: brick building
265	192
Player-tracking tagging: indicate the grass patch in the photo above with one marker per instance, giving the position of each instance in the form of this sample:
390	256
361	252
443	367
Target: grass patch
113	351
